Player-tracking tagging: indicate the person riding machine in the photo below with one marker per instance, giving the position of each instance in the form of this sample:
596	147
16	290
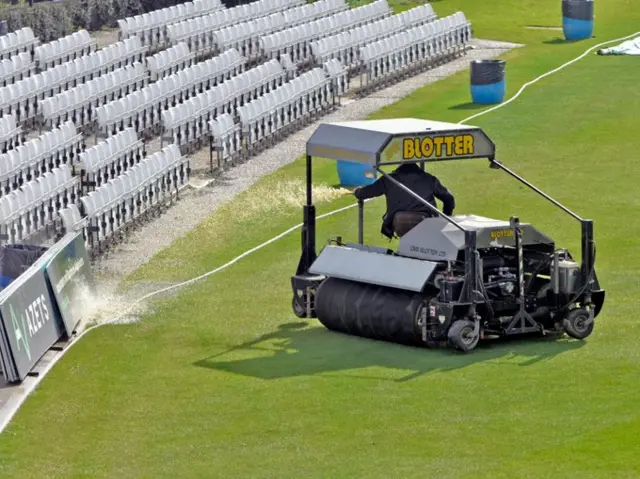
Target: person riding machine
404	211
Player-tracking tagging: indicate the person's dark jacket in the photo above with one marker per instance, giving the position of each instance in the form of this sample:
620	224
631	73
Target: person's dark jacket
420	182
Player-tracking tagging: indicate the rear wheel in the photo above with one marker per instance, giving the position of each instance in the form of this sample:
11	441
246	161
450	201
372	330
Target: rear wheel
461	335
577	324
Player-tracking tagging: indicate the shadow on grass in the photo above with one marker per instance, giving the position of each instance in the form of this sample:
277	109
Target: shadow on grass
561	41
469	106
298	350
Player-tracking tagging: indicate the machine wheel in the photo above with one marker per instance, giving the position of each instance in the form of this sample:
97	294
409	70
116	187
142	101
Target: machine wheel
575	324
298	309
461	335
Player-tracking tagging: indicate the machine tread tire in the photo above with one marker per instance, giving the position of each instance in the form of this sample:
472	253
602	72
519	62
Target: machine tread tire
458	335
574	324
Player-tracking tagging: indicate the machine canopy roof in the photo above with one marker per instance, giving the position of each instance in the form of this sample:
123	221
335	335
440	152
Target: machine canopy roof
396	141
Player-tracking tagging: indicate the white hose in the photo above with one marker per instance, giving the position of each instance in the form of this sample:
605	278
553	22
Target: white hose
29	388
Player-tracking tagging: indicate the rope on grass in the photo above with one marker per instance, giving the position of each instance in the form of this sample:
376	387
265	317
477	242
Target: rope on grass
29	388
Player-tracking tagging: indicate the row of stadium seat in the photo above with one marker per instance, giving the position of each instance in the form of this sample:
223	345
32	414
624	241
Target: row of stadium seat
267	116
405	50
118	203
33	158
226	136
35	205
295	40
110	158
271	114
166	62
186	123
151	27
78	104
345	45
198	29
64	49
22	40
16	68
23	97
141	109
10	133
339	76
220	28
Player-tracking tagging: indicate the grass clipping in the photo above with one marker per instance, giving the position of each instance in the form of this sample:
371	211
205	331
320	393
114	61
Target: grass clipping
285	195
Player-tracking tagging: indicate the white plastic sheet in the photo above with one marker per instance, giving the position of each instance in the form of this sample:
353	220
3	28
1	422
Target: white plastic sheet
630	47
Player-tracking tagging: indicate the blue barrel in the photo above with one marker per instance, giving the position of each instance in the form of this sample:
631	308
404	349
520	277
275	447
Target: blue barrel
355	174
488	83
577	19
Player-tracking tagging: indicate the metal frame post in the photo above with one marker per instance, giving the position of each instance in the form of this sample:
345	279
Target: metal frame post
361	222
308	255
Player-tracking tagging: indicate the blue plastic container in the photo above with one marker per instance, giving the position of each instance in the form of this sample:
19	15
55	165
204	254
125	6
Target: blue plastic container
488	82
355	174
577	19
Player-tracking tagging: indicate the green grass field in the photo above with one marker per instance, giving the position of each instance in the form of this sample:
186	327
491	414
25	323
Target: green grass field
223	381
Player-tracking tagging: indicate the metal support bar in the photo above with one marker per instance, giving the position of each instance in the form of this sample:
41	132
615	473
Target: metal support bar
587	249
496	164
522	322
420	199
360	222
308	255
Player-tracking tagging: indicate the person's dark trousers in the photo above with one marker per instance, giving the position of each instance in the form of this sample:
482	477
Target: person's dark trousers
403	221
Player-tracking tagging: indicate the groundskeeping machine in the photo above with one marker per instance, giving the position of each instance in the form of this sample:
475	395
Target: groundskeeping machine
453	280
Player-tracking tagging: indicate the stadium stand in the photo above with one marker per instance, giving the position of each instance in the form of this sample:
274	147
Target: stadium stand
142	109
16	68
284	108
23	98
10	133
170	61
37	156
187	123
295	40
110	158
112	207
34	206
417	48
64	49
345	46
151	27
198	32
22	40
238	78
79	103
225	140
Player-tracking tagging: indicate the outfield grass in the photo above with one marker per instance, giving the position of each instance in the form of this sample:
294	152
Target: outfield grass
223	380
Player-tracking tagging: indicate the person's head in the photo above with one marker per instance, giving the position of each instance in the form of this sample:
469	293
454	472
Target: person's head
408	168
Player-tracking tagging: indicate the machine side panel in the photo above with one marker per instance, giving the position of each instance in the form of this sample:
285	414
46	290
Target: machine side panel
429	240
373	268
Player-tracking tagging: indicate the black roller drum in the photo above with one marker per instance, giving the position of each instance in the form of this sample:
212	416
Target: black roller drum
369	311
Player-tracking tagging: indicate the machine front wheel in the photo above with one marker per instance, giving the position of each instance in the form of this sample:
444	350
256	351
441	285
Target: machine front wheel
461	335
577	324
298	309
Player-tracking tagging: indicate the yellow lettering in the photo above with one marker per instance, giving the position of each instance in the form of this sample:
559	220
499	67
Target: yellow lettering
408	150
438	143
468	145
448	140
459	147
426	147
